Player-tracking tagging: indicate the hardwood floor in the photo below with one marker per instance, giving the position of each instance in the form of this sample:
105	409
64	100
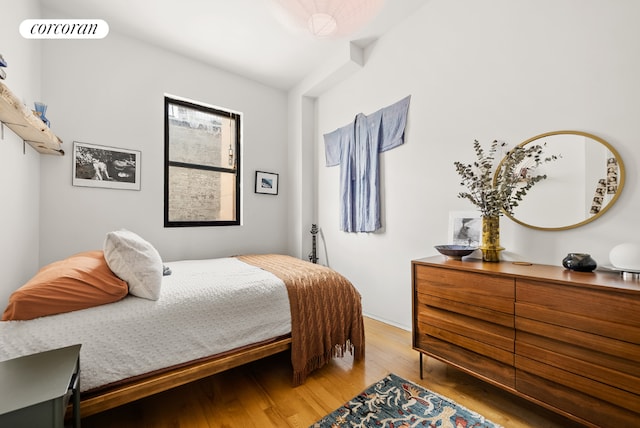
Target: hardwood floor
260	394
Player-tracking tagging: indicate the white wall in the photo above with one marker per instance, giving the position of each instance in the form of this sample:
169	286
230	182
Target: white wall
19	175
475	69
490	69
110	92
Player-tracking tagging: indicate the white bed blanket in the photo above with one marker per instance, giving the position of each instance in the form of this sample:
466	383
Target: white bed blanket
205	307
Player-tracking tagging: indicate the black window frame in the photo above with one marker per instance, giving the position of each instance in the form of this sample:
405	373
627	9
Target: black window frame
167	164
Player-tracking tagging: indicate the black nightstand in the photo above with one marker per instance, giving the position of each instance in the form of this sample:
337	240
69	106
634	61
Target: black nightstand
35	389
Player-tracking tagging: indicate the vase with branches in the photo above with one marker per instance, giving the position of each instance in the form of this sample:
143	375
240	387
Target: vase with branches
495	190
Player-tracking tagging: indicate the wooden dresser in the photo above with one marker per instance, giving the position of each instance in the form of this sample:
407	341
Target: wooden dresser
569	341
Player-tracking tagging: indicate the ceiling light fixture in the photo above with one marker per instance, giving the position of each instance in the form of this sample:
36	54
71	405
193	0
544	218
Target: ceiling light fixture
331	18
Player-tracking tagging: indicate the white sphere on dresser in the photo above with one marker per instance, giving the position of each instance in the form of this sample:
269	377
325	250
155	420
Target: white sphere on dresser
625	256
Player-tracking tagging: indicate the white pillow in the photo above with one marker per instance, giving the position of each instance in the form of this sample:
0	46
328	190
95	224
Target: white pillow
135	261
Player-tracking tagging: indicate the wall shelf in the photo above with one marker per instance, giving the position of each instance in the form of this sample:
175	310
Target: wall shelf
15	116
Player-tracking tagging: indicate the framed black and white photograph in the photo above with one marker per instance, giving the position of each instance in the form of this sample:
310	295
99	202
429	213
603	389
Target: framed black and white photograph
266	182
106	167
465	228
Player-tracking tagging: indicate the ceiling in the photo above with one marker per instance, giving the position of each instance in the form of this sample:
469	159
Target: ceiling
252	38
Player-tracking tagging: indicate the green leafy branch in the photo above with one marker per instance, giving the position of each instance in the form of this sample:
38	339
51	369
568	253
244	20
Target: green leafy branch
497	192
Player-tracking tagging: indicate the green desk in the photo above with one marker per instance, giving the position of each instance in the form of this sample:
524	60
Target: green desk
35	389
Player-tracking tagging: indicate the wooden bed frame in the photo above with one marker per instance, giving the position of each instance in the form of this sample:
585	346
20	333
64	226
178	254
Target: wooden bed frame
92	403
345	329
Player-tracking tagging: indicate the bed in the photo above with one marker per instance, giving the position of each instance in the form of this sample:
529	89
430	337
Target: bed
210	315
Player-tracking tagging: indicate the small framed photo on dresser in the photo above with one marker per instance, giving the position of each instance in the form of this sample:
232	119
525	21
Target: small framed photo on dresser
465	228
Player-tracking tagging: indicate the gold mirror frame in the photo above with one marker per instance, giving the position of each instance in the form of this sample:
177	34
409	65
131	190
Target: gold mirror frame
604	209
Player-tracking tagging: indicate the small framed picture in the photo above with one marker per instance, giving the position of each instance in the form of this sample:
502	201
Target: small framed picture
106	167
266	182
465	228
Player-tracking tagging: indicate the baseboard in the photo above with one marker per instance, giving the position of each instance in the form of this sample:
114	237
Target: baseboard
403	327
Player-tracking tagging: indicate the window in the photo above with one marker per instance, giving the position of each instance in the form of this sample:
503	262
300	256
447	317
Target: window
202	165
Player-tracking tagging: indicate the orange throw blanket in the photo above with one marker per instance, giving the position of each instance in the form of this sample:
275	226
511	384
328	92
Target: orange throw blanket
326	312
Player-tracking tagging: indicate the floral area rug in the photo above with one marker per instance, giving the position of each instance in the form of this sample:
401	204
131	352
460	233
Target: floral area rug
394	402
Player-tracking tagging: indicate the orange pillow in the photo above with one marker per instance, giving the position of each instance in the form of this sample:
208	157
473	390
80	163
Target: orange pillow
78	282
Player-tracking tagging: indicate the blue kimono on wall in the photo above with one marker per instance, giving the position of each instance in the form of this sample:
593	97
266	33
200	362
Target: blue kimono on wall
355	148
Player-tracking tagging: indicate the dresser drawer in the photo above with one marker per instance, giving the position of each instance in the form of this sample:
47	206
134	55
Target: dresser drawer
604	312
585	408
461	357
473	329
592	347
597	366
463	308
478	290
578	384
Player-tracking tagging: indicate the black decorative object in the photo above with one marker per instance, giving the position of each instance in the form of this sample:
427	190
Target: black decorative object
580	262
313	257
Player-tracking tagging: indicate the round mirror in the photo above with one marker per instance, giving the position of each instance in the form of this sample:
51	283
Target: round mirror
581	184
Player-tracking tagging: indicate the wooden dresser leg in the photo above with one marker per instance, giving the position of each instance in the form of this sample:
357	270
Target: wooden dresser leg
420	365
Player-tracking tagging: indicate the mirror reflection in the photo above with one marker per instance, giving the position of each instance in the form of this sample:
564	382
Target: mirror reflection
580	186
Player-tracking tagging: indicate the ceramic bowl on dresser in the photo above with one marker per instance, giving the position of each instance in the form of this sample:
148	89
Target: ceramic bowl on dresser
455	252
